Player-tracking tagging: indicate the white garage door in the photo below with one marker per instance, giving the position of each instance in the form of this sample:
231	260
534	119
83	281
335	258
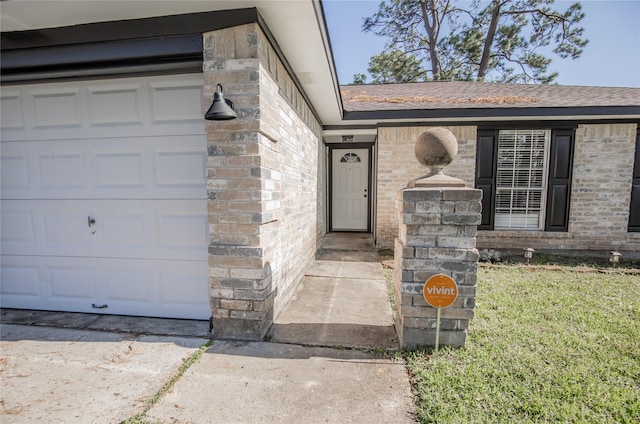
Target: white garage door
104	197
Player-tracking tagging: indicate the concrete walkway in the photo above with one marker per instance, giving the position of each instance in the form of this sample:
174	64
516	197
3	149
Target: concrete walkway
60	375
339	304
342	301
260	383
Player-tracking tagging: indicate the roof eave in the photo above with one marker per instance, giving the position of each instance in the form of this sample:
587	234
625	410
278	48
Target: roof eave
603	112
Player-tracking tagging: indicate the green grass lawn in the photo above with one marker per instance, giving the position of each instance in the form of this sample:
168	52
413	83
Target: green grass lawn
544	346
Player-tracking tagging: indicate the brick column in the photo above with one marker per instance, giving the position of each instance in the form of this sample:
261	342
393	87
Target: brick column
240	274
437	235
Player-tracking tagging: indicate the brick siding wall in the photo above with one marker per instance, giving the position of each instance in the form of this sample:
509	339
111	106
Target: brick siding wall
601	188
294	164
397	165
262	180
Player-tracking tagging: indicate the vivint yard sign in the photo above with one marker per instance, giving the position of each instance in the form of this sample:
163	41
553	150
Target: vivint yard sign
440	291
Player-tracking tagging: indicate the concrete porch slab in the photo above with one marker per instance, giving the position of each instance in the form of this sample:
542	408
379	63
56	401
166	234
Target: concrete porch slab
351	247
244	382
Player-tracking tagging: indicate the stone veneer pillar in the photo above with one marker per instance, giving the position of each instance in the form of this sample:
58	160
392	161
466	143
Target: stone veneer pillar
437	235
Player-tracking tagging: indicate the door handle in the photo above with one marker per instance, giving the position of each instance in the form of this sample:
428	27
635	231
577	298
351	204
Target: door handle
91	222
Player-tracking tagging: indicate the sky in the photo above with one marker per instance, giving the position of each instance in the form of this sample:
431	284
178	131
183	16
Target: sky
611	59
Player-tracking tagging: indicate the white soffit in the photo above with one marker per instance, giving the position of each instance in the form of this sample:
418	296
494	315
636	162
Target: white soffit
293	23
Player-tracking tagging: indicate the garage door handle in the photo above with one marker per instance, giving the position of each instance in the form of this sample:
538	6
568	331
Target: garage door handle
95	306
91	221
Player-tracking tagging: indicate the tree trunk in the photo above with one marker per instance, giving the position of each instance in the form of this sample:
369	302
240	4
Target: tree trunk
432	26
488	42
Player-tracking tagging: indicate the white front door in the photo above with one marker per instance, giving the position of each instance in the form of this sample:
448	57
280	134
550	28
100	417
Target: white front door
104	200
350	190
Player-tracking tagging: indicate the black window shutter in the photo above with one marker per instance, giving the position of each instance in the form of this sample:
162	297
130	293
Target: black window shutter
486	164
559	183
634	209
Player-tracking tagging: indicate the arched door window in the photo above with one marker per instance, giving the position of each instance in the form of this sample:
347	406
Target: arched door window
350	158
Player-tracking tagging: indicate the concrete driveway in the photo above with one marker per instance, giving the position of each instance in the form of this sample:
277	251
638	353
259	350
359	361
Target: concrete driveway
57	375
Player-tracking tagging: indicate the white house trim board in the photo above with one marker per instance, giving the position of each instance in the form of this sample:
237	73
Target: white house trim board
104	204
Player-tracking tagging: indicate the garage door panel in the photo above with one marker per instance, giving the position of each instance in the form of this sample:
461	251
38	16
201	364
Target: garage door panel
52	227
174	103
104	197
181	288
62	170
115	105
11	109
127	281
18	225
147	229
72	280
148	168
180	169
120	170
180	229
20	279
58	108
174	289
14	170
142	229
65	226
50	283
124	228
124	107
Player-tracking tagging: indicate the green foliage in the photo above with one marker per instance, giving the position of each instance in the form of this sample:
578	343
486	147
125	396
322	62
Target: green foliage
545	346
359	79
395	67
498	40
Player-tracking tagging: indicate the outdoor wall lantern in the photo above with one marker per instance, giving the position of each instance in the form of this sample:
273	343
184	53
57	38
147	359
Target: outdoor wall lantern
528	254
614	257
221	109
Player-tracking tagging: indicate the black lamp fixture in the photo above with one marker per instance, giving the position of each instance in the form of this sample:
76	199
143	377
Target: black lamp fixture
221	109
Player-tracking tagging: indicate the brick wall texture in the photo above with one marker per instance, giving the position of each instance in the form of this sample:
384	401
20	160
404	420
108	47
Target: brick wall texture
397	165
601	188
437	228
264	181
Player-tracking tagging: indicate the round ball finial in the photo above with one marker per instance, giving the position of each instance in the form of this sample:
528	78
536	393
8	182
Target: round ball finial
436	148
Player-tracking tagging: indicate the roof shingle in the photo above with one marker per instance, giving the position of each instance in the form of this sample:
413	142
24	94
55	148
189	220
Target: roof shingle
477	95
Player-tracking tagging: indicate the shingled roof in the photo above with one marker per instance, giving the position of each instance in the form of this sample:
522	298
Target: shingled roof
448	95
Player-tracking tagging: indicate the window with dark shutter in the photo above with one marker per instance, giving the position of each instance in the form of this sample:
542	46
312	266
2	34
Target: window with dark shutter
559	186
525	177
634	208
486	174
